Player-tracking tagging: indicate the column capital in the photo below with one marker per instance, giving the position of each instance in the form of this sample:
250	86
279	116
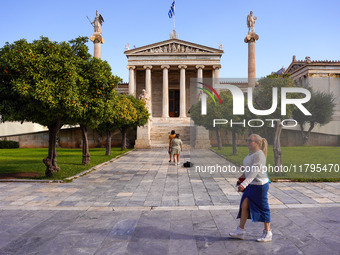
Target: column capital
217	67
200	66
165	66
147	67
131	67
182	66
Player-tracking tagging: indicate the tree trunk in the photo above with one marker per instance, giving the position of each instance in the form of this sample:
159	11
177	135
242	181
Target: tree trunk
86	152
123	131
219	140
306	137
108	143
303	135
51	160
277	144
233	134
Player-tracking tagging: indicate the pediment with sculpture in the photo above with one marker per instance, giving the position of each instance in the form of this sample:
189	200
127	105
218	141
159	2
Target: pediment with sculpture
173	47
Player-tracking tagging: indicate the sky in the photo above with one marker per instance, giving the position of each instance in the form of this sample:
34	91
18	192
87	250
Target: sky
286	28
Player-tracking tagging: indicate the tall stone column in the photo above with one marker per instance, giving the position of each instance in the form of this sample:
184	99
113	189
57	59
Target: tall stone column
199	79
182	101
132	86
251	39
216	79
97	40
165	110
148	84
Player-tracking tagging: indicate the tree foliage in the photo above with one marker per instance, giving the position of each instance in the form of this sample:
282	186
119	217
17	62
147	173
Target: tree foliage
129	112
321	106
45	82
263	98
223	112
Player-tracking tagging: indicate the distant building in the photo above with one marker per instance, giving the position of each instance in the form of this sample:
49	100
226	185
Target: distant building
321	75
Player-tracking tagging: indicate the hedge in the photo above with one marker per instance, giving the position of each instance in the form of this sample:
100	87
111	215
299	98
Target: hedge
4	144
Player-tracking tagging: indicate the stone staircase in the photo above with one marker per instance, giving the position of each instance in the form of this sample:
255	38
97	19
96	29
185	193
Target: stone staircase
161	128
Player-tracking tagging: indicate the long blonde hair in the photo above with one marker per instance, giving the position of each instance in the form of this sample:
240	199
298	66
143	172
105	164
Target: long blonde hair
262	142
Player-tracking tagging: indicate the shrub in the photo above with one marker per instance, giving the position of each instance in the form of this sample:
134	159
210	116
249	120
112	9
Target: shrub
4	144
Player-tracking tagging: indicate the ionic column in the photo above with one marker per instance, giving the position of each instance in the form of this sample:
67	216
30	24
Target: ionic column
199	79
135	79
199	73
182	101
132	90
148	79
165	110
148	83
216	75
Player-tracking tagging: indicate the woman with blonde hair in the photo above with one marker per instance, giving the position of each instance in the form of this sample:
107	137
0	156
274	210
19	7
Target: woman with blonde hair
254	202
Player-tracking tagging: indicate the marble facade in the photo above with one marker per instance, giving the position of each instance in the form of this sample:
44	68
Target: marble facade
164	70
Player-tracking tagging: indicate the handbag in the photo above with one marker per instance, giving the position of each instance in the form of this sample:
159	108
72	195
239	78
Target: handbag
188	164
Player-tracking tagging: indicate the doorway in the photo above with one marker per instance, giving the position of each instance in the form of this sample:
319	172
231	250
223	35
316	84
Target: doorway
174	102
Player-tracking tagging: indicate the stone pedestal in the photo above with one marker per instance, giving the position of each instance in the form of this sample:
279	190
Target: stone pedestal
202	140
251	39
97	40
143	140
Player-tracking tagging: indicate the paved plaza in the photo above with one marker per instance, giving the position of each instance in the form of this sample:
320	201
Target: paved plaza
141	204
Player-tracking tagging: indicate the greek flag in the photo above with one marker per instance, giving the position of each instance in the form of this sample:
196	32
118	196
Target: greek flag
172	9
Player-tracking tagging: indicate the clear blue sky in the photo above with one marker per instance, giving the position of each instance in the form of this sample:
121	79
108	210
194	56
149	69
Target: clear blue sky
286	28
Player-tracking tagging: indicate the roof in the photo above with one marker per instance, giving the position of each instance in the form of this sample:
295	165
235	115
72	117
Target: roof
174	46
297	65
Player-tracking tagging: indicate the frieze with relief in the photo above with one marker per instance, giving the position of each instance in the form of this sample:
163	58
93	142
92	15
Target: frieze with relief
172	48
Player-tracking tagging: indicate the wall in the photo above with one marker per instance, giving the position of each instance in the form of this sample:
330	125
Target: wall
70	138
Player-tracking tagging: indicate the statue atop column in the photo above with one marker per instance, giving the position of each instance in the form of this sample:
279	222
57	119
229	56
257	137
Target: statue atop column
251	36
97	38
251	22
251	39
98	22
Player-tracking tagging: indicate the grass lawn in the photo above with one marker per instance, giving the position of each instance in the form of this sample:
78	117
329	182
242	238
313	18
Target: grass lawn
14	161
294	160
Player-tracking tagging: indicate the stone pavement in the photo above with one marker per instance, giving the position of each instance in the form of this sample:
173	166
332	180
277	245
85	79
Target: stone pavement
141	204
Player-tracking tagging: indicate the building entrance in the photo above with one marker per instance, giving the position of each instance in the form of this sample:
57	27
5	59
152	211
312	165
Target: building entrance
174	102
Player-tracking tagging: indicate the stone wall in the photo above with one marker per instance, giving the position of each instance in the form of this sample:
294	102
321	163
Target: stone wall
288	138
70	138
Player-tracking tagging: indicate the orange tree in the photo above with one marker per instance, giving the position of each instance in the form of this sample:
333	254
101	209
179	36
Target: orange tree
98	93
129	112
44	82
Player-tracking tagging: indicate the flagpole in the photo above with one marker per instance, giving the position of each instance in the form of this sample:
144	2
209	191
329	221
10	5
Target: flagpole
174	17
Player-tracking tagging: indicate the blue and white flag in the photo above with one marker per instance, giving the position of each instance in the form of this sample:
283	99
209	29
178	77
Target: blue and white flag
172	10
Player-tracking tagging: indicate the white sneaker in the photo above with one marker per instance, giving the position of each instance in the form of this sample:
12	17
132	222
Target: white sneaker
178	163
239	233
266	236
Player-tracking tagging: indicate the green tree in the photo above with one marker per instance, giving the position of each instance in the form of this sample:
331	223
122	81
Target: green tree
227	102
263	101
321	106
42	82
98	93
129	112
222	112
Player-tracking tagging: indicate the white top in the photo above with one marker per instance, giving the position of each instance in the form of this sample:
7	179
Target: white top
255	169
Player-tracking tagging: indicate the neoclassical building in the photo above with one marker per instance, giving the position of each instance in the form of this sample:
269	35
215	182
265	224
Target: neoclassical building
322	75
164	70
